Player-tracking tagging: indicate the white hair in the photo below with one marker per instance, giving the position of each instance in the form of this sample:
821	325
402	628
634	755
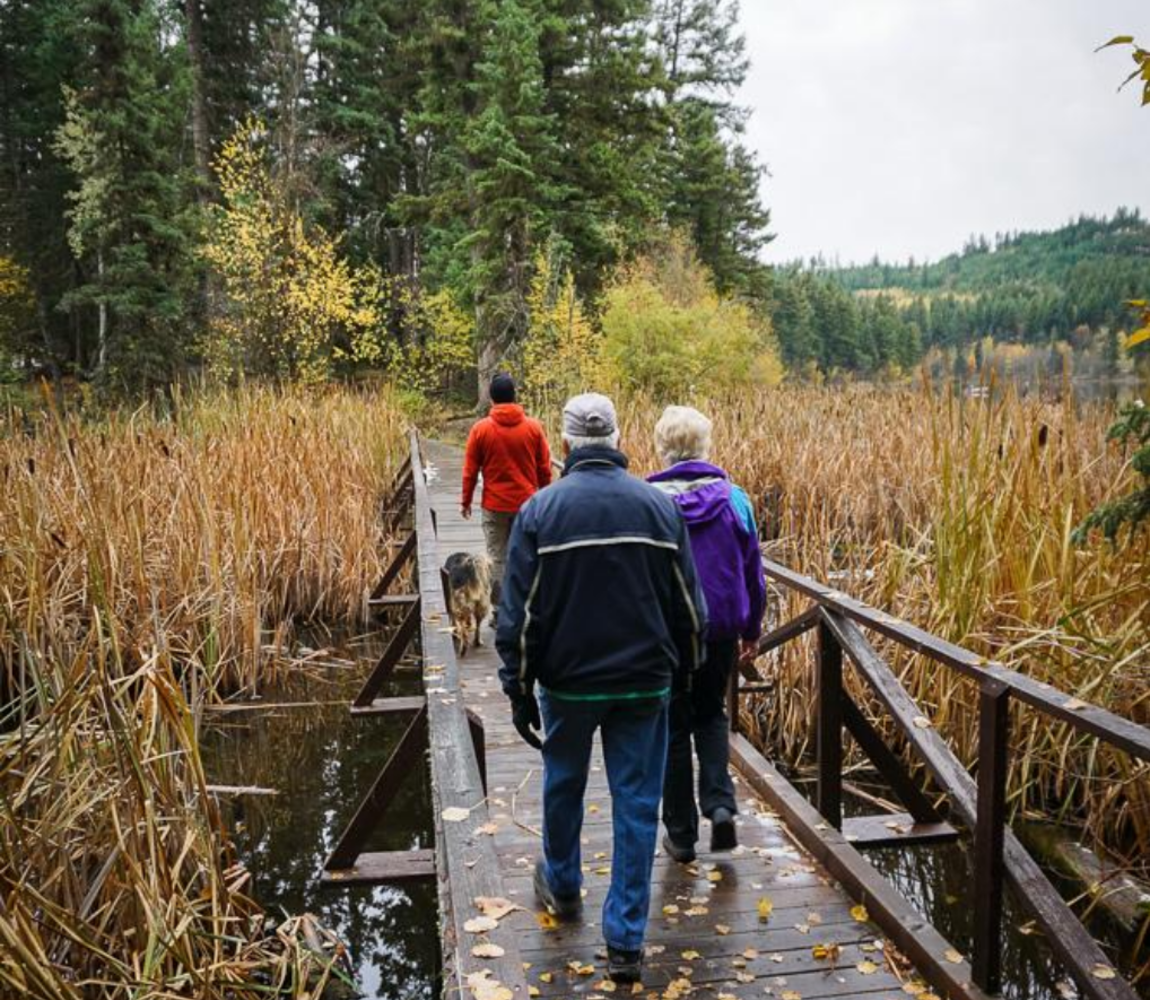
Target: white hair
682	434
574	441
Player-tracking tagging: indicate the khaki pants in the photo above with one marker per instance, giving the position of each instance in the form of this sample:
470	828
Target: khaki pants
497	532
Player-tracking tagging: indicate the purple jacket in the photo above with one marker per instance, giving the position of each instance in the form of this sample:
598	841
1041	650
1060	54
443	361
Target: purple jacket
725	543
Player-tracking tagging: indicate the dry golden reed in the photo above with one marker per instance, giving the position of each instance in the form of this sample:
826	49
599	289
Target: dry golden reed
955	515
209	533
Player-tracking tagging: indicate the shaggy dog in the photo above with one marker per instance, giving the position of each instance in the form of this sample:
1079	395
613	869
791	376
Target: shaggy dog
469	583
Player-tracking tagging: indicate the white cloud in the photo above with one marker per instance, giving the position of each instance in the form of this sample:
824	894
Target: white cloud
902	126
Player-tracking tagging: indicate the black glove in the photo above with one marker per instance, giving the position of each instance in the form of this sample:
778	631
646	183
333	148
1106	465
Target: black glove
525	716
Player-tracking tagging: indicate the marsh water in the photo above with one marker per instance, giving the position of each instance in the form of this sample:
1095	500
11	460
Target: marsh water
319	761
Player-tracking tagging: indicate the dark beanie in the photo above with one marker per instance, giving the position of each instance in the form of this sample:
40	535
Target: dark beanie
503	388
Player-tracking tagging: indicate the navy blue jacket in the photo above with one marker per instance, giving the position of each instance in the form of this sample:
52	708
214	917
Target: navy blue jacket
600	597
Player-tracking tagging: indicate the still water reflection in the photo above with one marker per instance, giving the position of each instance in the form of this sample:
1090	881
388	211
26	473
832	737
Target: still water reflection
320	761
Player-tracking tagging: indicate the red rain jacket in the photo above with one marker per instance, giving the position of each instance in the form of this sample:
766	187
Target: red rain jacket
510	449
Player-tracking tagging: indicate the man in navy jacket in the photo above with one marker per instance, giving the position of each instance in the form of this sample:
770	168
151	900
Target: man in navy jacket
603	610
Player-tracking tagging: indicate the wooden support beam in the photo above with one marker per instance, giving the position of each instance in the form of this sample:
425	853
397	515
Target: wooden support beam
888	764
989	833
909	931
397	645
404	759
1070	940
390	706
392	600
383	868
829	728
895	830
791	630
479	742
402	557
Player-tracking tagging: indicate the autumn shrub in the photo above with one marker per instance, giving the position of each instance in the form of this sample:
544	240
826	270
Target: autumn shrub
667	331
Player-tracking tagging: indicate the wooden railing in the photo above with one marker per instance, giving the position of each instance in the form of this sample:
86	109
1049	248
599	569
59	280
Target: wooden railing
441	733
978	804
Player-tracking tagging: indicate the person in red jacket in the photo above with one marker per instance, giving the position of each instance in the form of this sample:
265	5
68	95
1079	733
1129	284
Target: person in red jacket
510	449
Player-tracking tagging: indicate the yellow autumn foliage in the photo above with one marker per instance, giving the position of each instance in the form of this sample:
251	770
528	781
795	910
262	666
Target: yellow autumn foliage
17	307
437	346
561	354
668	332
292	304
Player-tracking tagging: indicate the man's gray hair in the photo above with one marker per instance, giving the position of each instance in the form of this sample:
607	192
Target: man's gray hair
682	434
574	441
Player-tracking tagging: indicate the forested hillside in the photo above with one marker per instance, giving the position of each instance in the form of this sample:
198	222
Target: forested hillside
397	168
1040	289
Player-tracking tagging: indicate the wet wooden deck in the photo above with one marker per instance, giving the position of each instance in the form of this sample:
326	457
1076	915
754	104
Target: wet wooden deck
706	936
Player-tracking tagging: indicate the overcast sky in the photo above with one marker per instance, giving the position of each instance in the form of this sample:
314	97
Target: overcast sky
902	126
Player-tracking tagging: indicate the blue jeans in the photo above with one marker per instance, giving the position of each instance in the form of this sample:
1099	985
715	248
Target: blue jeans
634	735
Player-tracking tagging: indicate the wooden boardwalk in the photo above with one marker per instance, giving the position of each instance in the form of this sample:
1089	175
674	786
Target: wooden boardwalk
706	935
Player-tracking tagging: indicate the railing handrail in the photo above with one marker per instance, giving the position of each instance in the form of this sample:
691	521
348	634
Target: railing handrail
467	862
1106	725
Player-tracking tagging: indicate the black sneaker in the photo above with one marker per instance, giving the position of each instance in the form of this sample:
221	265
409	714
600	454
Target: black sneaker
563	907
624	966
681	853
723	834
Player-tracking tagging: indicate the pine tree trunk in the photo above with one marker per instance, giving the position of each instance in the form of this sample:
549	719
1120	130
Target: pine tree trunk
102	311
201	139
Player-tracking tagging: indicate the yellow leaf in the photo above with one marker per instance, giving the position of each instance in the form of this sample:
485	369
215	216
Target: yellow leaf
1102	972
745	977
860	914
579	968
670	910
533	991
867	967
606	985
766	907
1138	337
953	956
714	876
791	995
546	977
690	955
722	930
487	950
480	925
546	921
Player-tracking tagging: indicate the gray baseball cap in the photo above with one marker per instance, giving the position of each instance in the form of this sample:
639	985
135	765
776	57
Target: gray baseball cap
589	415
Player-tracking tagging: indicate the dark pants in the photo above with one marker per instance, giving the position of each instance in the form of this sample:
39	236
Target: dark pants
634	735
700	713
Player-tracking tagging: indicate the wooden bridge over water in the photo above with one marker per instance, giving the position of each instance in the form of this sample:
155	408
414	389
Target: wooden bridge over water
797	912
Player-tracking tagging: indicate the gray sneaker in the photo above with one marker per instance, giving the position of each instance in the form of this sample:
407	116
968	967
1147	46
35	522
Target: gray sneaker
563	907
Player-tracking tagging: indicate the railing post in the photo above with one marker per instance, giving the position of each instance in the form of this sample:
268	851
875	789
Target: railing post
990	833
829	727
733	697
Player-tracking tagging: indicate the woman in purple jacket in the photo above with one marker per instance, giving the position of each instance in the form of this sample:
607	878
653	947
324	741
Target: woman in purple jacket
725	544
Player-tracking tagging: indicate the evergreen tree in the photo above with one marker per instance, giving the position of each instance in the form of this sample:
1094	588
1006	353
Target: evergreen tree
129	226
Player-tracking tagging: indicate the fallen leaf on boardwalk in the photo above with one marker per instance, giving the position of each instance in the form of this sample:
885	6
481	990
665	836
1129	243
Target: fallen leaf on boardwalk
739	962
654	949
722	930
814	919
546	977
603	870
1102	972
860	914
488	950
487	828
727	996
914	989
826	952
952	956
867	967
714	876
600	855
745	977
751	953
697	911
791	995
455	814
637	988
533	991
921	722
699	900
480	925
690	955
686	970
776	958
486	988
803	928
592	808
606	985
579	968
928	996
1074	704
546	921
766	907
495	907
670	909
1065	989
